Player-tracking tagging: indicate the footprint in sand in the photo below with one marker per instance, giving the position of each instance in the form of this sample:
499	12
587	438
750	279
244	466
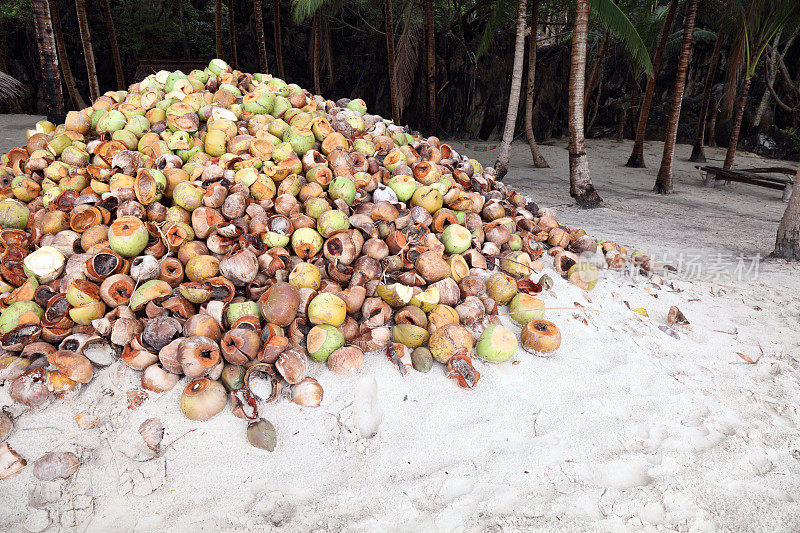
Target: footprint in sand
760	462
273	507
623	474
652	512
142	479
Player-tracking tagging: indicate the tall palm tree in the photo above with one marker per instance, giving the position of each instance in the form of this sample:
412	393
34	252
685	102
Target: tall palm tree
664	180
698	154
787	242
538	159
316	32
232	34
580	183
48	59
66	71
771	74
609	15
327	45
598	61
258	14
316	9
636	160
389	27
112	41
88	54
760	21
431	49
501	166
276	24
218	28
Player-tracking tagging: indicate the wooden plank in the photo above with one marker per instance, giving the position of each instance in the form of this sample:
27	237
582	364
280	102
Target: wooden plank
766	170
750	176
760	183
762	177
712	174
721	173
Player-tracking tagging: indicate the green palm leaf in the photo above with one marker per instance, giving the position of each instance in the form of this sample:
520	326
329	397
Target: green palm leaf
673	45
303	9
620	26
503	11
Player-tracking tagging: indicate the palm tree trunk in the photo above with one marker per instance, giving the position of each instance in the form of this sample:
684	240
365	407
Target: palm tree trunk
48	60
387	17
664	180
4	68
66	71
112	41
636	160
327	45
598	61
787	242
185	48
538	159
258	13
315	51
771	68
761	110
698	155
88	54
232	34
623	115
431	44
218	28
712	125
501	166
597	99
276	23
580	183
737	124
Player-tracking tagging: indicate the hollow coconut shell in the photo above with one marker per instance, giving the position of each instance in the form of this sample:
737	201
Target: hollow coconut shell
583	275
322	341
501	287
346	360
448	339
261	434
279	304
525	308
327	308
203	398
496	344
72	364
55	465
396	295
410	335
11	463
541	336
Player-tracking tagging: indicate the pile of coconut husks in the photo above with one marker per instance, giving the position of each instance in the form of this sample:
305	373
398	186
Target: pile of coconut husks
223	231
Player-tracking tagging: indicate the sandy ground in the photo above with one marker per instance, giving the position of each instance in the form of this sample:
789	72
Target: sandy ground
624	428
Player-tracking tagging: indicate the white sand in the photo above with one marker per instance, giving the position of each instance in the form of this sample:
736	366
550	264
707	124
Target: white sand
624	428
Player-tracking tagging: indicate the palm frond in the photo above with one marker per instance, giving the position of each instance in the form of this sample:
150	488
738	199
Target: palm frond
503	12
754	26
10	88
406	58
673	45
304	9
648	23
620	26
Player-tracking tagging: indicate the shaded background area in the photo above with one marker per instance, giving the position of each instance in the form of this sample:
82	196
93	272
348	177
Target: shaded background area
472	89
